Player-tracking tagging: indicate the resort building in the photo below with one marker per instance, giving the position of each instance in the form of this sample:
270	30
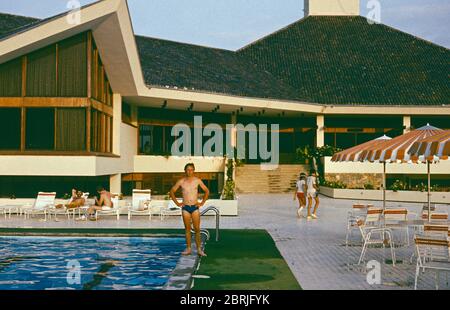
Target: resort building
87	101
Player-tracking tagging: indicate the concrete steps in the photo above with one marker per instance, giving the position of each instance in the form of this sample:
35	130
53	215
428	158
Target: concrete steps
251	179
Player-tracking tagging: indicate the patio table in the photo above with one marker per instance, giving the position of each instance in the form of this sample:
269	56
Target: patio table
420	222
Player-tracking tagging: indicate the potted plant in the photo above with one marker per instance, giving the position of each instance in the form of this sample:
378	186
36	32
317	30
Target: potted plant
304	154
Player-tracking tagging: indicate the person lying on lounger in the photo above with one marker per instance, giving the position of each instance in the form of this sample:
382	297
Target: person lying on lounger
104	202
76	201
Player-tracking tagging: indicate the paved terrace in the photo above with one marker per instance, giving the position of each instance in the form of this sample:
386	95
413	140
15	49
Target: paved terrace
314	250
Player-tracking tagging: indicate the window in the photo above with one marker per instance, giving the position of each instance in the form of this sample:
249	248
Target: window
10	128
40	129
72	67
71	129
41	73
155	140
11	78
101	132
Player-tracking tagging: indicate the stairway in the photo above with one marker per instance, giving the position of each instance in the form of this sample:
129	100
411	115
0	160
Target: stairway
251	179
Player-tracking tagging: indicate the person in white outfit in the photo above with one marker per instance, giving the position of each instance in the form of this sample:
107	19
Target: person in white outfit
311	193
300	193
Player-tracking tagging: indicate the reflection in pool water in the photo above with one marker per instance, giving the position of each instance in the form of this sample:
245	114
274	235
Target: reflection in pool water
37	263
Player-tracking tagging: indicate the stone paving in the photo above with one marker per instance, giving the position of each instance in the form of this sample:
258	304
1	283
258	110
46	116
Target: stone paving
315	251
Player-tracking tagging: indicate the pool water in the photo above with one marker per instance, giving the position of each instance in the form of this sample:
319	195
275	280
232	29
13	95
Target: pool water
97	263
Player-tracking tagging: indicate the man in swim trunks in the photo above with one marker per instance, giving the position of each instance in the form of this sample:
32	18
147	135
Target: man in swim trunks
104	203
190	205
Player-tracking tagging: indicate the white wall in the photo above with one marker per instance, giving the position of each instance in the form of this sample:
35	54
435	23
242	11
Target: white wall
175	164
331	7
75	165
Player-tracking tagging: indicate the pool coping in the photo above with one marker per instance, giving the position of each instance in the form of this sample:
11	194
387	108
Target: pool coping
179	279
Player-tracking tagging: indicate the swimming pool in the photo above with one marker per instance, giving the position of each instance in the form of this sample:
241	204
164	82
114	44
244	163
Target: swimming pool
98	263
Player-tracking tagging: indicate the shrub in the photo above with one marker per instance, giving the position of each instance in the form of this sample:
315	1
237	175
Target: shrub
229	190
369	185
334	184
399	185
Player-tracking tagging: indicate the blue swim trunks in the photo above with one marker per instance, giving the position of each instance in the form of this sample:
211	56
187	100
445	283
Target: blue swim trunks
190	209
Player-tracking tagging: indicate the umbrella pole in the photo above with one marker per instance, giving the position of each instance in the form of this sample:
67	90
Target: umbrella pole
429	191
384	185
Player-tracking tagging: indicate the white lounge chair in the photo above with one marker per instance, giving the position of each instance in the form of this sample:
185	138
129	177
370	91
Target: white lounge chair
66	211
170	209
140	203
41	205
115	210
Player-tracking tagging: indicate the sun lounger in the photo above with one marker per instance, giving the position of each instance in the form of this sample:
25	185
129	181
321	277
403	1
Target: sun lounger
41	205
140	204
115	210
170	209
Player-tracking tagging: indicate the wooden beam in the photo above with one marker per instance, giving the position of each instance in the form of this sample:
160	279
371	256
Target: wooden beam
56	62
22	128
102	107
24	76
88	129
44	102
89	64
55	110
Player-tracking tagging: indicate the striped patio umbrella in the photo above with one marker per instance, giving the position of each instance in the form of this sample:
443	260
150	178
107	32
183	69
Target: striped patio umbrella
396	150
353	153
432	149
359	153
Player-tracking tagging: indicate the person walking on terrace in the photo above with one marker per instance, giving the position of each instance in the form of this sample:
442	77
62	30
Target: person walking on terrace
300	193
312	193
190	205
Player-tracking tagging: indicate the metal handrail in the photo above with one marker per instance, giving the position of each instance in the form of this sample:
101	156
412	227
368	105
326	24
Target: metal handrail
217	212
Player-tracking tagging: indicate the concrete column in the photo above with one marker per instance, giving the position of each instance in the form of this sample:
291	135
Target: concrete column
115	183
406	124
117	122
320	131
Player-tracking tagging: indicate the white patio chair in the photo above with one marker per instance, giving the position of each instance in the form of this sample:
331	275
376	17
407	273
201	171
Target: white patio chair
393	216
370	227
106	211
358	212
432	254
170	209
140	203
41	205
436	217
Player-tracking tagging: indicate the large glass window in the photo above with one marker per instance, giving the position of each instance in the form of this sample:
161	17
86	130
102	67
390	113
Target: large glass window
71	129
154	140
41	73
40	129
72	67
10	128
101	132
11	78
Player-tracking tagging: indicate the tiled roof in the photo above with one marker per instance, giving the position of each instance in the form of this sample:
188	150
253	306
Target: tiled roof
346	60
11	23
318	59
168	63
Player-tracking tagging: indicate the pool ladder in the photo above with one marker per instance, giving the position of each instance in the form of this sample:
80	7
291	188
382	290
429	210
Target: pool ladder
204	231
